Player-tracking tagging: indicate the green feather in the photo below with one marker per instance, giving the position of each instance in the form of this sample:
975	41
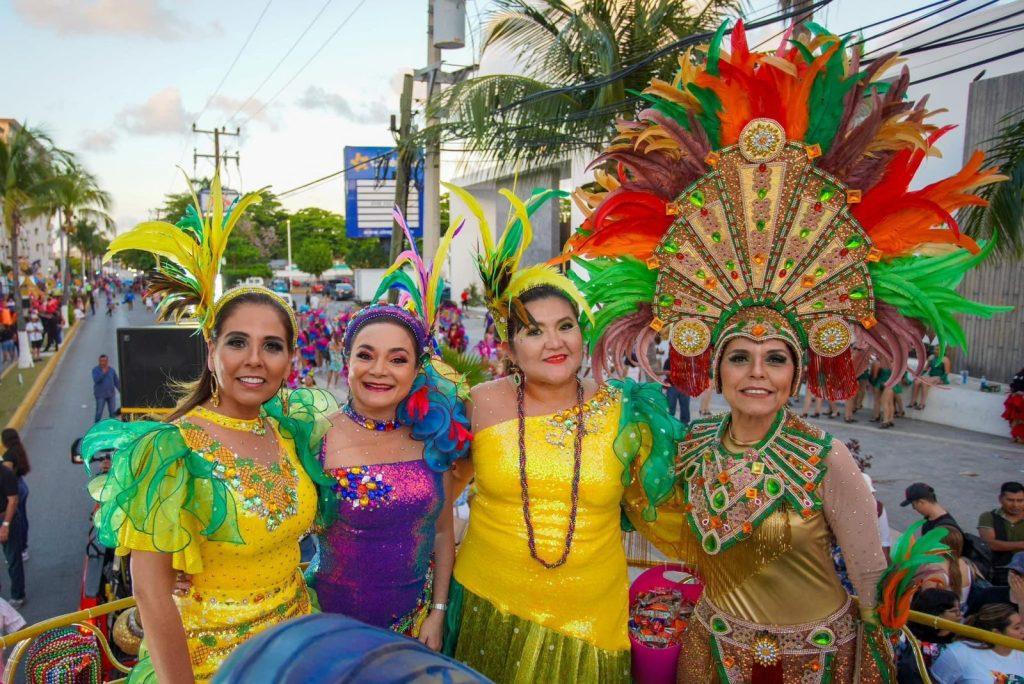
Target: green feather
715	48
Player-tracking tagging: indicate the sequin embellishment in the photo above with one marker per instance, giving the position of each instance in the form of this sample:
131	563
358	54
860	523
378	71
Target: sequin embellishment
268	492
361	486
563	424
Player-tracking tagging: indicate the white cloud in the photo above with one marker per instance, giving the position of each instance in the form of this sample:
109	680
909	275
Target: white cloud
120	17
316	97
252	109
98	141
159	115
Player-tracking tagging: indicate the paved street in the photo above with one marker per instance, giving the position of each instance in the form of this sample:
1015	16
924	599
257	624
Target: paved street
966	468
59	506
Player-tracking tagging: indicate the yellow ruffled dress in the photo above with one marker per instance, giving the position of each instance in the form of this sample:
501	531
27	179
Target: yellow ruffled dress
511	618
230	523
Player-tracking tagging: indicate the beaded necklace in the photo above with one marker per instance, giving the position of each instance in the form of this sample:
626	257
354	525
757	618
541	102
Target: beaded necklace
369	423
524	486
254	426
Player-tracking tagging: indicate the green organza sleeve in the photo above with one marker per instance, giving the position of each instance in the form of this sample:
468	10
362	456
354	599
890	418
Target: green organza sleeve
305	419
646	444
159	494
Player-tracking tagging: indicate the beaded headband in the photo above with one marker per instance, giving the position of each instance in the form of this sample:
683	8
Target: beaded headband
390	312
241	290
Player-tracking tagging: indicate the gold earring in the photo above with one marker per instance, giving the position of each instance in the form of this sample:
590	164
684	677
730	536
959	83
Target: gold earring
516	374
215	390
283	394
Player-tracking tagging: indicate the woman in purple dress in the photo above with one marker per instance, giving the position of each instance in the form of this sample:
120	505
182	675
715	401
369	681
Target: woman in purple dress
387	558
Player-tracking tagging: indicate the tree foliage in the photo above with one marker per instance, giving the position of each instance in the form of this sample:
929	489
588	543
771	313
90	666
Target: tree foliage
314	257
511	118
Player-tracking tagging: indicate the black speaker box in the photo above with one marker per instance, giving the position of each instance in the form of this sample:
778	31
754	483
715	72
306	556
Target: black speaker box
152	358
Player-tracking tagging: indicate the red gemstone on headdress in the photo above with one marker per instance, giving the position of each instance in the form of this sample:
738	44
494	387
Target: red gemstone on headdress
735	275
762	166
843	297
843	252
817	206
782	273
703	211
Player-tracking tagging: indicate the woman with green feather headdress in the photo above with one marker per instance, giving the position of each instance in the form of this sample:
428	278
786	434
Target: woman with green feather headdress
225	487
539	591
759	211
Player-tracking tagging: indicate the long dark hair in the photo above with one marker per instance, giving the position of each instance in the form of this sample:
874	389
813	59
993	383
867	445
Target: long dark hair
991	617
16	451
199	391
933	602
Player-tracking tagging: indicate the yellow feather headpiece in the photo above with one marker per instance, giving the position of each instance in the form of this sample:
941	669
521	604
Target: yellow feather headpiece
190	255
498	262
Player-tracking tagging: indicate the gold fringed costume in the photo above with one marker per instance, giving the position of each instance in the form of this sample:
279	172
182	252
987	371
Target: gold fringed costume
758	526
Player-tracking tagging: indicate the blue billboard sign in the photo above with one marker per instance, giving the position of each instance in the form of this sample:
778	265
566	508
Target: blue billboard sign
370	192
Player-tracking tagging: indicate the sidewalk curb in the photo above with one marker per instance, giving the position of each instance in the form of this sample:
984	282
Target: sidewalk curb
21	415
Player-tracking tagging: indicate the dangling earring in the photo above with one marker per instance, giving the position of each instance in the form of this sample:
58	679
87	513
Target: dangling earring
516	373
215	390
283	396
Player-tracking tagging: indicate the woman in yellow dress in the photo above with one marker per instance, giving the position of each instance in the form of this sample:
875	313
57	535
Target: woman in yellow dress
540	590
220	490
760	213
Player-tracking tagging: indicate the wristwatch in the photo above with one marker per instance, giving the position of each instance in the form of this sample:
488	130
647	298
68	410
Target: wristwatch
440	606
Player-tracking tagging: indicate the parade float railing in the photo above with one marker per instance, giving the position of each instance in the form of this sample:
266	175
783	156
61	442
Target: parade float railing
81	620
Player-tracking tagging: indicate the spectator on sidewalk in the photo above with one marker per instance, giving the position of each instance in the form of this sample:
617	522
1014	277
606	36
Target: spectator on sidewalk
34	330
1003	529
105	385
967	662
942	603
16	458
922	497
8	332
12	535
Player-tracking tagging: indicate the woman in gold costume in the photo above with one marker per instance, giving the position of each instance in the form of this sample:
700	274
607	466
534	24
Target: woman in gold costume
221	489
540	586
760	211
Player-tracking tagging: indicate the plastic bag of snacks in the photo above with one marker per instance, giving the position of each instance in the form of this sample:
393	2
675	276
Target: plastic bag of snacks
659	617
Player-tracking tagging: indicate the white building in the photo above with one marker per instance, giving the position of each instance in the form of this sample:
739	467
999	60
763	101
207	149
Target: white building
35	244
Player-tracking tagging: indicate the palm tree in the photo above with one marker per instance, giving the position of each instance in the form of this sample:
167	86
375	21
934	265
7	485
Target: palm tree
76	193
1003	218
90	241
559	43
25	168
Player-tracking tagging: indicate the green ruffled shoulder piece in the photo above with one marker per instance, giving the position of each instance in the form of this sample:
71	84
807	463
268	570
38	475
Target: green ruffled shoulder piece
648	432
158	491
306	422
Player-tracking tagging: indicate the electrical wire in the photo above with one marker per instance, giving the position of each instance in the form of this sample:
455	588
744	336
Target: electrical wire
308	61
281	61
227	73
904	39
333	175
965	67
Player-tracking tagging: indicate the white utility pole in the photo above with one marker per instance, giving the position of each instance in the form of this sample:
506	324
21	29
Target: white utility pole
432	157
288	223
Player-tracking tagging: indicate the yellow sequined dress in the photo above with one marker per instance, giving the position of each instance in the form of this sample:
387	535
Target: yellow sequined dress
229	522
511	618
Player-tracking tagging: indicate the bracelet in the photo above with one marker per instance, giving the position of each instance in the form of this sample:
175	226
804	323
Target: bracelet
5	523
440	606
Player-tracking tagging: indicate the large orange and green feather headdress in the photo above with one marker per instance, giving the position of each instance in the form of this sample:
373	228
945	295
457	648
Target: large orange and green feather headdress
766	195
189	257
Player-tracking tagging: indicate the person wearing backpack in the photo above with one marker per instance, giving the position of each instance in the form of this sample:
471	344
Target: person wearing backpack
1003	529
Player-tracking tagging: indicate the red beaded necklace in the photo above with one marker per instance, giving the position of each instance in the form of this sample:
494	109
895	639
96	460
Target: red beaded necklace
576	467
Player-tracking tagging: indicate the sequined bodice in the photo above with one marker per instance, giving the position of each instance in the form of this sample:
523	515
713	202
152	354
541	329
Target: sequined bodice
585	598
374	560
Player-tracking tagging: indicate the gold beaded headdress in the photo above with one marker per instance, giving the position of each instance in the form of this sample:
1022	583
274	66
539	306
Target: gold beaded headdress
190	253
766	195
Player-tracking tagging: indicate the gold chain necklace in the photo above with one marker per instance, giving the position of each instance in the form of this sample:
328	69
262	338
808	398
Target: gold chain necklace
738	442
254	426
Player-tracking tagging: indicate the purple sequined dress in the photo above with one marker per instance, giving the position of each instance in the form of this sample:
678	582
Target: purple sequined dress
374	562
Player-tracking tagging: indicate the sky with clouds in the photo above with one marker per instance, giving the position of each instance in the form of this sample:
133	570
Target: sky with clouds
121	81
